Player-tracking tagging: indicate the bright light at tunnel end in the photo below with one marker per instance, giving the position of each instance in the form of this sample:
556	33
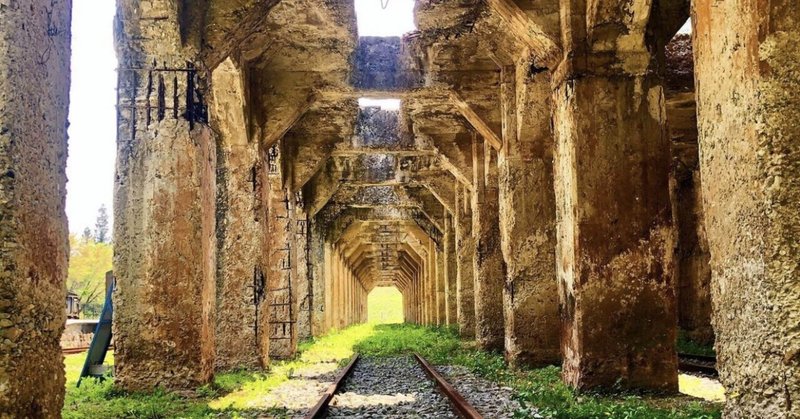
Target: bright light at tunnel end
396	19
385	104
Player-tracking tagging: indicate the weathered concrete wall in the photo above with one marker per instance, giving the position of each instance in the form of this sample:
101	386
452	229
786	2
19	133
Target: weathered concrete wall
302	270
749	123
240	224
164	210
449	253
488	261
317	270
441	285
34	97
615	234
281	288
693	272
465	279
527	219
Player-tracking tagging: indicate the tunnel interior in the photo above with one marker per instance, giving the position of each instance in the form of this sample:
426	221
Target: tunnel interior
562	182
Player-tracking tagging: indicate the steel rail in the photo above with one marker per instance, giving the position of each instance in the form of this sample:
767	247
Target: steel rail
319	410
461	405
698	363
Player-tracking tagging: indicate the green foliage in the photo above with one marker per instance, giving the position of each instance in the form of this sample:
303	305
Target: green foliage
235	394
538	390
240	393
88	263
101	226
687	346
385	305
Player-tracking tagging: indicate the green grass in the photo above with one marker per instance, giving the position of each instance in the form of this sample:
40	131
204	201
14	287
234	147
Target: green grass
237	394
232	394
535	388
687	346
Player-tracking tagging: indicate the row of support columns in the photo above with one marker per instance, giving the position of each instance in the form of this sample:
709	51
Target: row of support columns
345	294
614	239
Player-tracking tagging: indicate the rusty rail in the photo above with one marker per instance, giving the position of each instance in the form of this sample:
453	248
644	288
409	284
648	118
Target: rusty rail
461	405
699	364
321	407
73	351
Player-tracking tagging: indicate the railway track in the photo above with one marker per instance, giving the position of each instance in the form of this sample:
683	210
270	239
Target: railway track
459	405
706	365
73	351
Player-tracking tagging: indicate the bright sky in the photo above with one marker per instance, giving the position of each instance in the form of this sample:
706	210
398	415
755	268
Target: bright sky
92	117
395	19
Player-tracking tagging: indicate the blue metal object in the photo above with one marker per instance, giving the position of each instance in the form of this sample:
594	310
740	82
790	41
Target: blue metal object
93	367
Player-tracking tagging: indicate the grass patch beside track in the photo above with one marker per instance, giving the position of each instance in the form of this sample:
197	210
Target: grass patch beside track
240	394
540	389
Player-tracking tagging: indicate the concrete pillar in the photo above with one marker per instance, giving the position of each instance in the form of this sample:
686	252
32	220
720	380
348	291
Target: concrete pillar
437	300
302	270
749	124
339	301
34	96
441	297
465	251
488	260
615	234
528	219
164	232
450	269
319	277
240	225
328	281
280	249
693	271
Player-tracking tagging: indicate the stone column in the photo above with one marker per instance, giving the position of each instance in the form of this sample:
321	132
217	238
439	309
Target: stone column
240	225
164	232
328	281
749	120
615	233
441	298
430	290
302	270
488	261
317	269
450	270
465	252
279	269
528	219
34	97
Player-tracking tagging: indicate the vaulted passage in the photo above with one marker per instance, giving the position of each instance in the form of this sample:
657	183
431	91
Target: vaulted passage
563	182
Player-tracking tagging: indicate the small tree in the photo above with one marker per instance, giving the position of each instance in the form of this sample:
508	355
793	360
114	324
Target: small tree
101	226
87	235
88	264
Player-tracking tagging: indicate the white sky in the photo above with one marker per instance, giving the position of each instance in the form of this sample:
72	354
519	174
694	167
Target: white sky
396	20
93	117
385	104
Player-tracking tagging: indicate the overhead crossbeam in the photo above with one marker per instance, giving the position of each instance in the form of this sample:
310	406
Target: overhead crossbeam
544	46
476	121
275	133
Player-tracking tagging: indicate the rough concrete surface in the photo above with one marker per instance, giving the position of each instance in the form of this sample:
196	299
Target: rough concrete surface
34	51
